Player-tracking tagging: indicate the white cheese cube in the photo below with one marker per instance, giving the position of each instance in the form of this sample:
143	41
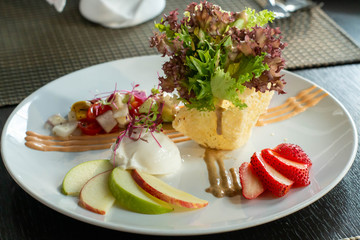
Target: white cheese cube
56	119
64	129
107	121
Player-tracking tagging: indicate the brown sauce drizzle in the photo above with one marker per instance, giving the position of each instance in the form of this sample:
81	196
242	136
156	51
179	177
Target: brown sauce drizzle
222	182
219	113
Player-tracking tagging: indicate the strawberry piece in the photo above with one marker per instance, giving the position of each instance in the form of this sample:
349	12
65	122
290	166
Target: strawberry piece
251	185
272	180
296	171
292	152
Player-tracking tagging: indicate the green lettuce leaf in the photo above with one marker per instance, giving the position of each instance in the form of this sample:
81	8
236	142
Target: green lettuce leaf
224	87
247	68
227	85
258	18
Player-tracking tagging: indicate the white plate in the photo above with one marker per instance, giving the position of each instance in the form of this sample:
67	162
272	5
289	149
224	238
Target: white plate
326	132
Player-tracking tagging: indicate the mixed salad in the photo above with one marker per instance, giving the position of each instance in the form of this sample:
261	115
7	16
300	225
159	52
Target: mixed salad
215	54
120	110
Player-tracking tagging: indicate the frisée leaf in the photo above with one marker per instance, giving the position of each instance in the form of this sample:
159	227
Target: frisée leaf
261	18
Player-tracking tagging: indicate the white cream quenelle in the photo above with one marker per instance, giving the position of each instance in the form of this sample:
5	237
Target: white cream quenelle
148	156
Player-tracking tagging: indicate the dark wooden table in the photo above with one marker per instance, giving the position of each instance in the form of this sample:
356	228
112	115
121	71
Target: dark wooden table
334	216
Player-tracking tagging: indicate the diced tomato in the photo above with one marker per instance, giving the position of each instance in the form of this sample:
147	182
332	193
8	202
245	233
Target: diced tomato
134	106
115	129
97	109
89	126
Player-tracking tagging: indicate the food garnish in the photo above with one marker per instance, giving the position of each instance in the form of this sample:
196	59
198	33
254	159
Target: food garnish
277	170
292	106
163	191
130	196
145	113
251	184
77	176
215	54
293	170
274	181
118	110
95	194
99	185
224	66
292	152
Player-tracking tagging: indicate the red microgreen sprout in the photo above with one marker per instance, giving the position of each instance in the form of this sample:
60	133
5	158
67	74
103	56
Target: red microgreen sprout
149	121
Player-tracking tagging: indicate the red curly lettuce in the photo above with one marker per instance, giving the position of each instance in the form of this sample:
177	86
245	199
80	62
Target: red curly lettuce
214	54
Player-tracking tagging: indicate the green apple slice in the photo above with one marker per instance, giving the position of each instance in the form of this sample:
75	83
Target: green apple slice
95	194
131	196
163	191
76	178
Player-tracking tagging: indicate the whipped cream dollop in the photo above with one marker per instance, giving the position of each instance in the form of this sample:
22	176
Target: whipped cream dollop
146	155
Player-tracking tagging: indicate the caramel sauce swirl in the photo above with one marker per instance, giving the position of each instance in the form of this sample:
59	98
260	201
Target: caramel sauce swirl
83	143
69	144
292	106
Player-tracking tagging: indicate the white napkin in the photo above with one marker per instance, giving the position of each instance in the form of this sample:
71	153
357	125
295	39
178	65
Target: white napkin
58	4
120	13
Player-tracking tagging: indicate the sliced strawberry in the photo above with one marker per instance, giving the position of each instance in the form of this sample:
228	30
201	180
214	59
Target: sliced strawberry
250	182
272	180
296	171
292	152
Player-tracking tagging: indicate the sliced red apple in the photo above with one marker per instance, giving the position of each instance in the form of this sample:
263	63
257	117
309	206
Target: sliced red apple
75	179
274	181
165	192
95	194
